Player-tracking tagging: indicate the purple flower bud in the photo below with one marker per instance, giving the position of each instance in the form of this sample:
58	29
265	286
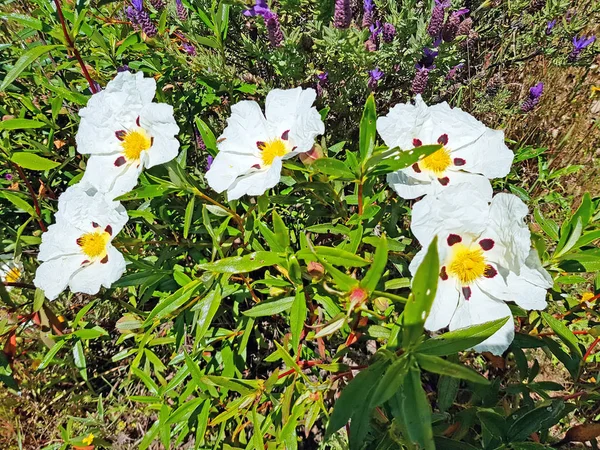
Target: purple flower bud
368	13
146	24
124	68
389	32
209	161
579	44
189	49
450	28
138	4
322	77
8	176
454	71
374	76
181	10
419	83
437	17
343	14
465	27
158	5
273	29
535	93
550	26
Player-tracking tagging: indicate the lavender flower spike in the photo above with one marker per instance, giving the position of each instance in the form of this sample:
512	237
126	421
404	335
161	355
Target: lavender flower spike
259	9
437	17
579	44
343	14
368	13
159	5
189	49
550	26
535	93
181	10
450	29
143	19
273	29
389	32
374	76
420	80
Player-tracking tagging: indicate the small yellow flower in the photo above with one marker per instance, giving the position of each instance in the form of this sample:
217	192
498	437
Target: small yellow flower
595	89
586	296
89	439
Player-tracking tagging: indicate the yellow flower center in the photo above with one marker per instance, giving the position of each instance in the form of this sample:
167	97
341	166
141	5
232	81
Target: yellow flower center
272	149
94	244
13	275
88	440
438	161
468	264
134	143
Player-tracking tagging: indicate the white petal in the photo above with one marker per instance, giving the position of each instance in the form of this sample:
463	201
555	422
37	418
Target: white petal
60	240
89	278
404	123
476	182
462	128
53	276
408	187
508	229
246	126
158	120
479	309
444	305
256	183
488	155
531	287
102	173
226	167
457	209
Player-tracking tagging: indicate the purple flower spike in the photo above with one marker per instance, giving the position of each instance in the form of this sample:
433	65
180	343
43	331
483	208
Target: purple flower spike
181	10
374	76
343	14
389	32
259	9
535	93
132	15
138	4
322	77
550	26
368	13
437	17
579	44
189	49
420	81
273	29
450	29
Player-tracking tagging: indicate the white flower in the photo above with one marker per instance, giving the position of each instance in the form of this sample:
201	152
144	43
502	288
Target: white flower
76	251
125	132
10	270
485	260
471	152
253	145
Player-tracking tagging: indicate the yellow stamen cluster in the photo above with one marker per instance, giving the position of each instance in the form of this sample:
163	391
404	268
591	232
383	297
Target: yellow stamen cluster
468	264
272	149
437	162
134	143
94	244
13	275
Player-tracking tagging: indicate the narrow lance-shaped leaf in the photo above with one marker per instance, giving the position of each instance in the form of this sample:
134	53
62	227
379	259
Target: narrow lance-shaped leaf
368	129
369	282
404	159
246	263
23	62
297	317
438	365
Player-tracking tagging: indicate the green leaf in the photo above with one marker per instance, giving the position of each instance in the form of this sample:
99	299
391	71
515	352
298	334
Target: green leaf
403	159
148	382
334	168
23	62
282	234
462	339
563	333
50	355
184	411
173	302
297	318
21	124
79	359
355	395
32	161
38	300
549	226
573	237
206	308
536	420
438	365
424	286
390	383
257	435
6	376
246	263
16	200
493	422
270	307
333	255
189	214
442	443
207	135
371	279
415	411
368	131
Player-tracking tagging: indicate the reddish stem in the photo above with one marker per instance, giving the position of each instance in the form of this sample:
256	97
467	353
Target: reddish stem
71	46
36	205
591	349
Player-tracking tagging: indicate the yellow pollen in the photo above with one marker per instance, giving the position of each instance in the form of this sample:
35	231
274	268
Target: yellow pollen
134	143
13	275
272	149
88	440
467	264
437	162
94	244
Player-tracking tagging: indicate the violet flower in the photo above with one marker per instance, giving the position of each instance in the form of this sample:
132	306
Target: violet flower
550	26
450	29
8	176
579	44
123	68
131	14
427	59
368	13
437	17
465	27
189	49
454	71
389	32
273	29
209	161
322	77
259	9
374	76
535	93
343	14
158	5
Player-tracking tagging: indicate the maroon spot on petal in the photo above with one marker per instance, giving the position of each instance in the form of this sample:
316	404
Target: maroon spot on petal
95	225
137	121
120	134
85	261
104	260
459	162
444	181
260	145
490	272
486	244
79	241
416	167
443	274
453	239
294	148
256	166
120	161
466	292
285	135
417	142
151	141
443	139
108	229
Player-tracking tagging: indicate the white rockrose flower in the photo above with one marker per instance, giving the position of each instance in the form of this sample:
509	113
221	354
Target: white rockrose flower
253	145
76	251
125	132
11	271
471	152
486	259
